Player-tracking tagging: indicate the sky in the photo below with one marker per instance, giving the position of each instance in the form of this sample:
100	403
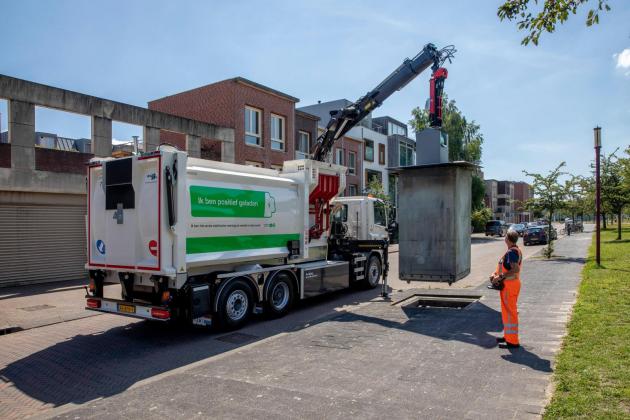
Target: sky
537	106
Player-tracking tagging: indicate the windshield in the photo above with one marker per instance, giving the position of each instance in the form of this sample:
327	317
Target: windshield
518	226
493	223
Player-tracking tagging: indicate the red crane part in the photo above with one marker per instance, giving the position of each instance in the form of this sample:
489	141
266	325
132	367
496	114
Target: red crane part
435	104
319	203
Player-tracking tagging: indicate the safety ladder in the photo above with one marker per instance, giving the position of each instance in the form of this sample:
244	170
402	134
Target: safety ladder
358	262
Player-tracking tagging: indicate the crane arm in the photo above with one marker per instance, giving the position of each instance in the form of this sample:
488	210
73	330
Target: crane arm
342	120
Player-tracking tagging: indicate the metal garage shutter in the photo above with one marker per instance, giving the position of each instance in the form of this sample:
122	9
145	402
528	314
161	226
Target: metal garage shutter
41	244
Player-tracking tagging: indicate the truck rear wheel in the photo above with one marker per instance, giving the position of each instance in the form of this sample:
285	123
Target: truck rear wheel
235	305
280	296
373	272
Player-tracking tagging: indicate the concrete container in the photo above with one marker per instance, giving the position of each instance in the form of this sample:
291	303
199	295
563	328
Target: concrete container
434	218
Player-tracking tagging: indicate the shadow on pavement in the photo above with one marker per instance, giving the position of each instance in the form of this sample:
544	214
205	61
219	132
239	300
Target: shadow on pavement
85	367
524	357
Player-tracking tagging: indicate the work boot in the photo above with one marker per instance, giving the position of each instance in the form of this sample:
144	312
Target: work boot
506	345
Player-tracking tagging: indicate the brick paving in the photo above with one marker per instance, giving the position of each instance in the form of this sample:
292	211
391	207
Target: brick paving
367	359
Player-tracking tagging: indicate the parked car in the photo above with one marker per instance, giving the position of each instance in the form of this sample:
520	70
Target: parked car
535	235
554	231
496	228
519	228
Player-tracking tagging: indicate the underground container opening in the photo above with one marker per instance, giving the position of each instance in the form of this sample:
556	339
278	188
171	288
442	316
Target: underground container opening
422	301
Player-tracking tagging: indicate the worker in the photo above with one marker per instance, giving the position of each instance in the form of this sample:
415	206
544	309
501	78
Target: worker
506	278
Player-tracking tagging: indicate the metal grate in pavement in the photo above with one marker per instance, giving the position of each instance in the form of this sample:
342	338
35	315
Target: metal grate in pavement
36	308
237	338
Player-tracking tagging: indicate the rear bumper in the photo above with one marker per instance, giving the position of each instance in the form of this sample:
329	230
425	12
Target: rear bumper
113	306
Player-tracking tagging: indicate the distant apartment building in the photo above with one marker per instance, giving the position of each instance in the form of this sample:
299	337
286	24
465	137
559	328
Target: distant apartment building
263	120
507	200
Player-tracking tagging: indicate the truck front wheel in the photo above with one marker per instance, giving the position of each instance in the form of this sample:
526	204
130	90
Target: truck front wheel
373	274
235	305
279	296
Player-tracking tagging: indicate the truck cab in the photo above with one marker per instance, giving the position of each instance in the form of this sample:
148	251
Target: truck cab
363	217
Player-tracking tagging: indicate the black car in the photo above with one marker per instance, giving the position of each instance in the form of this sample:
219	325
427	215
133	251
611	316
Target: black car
519	228
496	228
535	235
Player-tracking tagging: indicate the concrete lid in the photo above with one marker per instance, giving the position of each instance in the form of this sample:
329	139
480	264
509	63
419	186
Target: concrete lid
458	164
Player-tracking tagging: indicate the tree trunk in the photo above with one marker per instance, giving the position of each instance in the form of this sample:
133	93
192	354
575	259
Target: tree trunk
604	220
619	225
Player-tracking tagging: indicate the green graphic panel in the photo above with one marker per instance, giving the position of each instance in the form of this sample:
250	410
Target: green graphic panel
229	202
238	243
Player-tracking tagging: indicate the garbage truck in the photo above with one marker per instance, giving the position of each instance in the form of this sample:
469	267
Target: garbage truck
212	243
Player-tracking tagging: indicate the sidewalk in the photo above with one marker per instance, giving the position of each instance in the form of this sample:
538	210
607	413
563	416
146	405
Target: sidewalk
381	360
25	307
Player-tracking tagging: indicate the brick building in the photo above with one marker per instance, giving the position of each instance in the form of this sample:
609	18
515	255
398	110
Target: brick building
349	152
507	199
522	192
305	133
263	119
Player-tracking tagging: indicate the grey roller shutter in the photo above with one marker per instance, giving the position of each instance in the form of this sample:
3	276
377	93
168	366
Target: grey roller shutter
41	244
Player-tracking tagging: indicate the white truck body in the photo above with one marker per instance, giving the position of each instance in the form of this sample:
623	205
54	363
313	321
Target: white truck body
197	239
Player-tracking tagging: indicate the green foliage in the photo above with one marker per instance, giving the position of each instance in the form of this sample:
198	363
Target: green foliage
375	188
578	202
553	12
479	218
614	187
464	138
478	192
549	196
592	373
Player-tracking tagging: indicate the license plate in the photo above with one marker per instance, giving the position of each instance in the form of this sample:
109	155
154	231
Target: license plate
127	309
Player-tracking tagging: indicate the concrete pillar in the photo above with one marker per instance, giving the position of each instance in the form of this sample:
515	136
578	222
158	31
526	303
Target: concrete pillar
193	145
150	138
22	134
101	136
226	135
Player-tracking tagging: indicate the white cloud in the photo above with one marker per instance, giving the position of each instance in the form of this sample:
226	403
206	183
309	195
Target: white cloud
623	60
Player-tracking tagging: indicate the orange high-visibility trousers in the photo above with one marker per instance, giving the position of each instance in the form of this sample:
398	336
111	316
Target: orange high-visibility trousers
509	312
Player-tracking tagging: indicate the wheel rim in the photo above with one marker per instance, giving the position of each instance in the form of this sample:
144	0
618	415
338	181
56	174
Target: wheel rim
280	296
374	272
237	303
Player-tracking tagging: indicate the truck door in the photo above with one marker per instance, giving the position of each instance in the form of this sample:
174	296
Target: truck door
124	213
378	222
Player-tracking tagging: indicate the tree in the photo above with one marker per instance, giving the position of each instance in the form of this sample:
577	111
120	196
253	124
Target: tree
478	192
375	188
464	138
615	194
549	196
545	20
577	203
479	218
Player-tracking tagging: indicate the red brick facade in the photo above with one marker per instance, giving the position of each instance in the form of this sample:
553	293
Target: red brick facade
307	123
223	103
53	160
348	144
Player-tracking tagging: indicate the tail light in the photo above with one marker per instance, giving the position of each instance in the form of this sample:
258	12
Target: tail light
93	303
160	313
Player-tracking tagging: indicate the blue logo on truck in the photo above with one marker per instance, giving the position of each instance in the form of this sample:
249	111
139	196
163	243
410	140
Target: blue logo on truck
100	246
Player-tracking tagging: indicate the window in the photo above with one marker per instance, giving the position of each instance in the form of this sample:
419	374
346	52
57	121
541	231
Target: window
339	156
252	126
373	176
395	129
342	214
381	154
276	167
352	163
369	150
352	189
252	163
379	214
303	148
277	132
406	154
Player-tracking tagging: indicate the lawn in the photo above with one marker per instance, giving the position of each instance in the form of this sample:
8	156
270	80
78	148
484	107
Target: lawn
592	375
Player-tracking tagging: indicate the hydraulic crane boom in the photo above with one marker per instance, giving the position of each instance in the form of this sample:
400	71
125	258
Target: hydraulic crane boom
342	120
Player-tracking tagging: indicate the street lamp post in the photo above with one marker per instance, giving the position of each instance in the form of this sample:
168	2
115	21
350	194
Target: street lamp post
598	145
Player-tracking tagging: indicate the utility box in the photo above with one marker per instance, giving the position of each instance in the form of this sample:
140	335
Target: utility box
434	221
431	146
